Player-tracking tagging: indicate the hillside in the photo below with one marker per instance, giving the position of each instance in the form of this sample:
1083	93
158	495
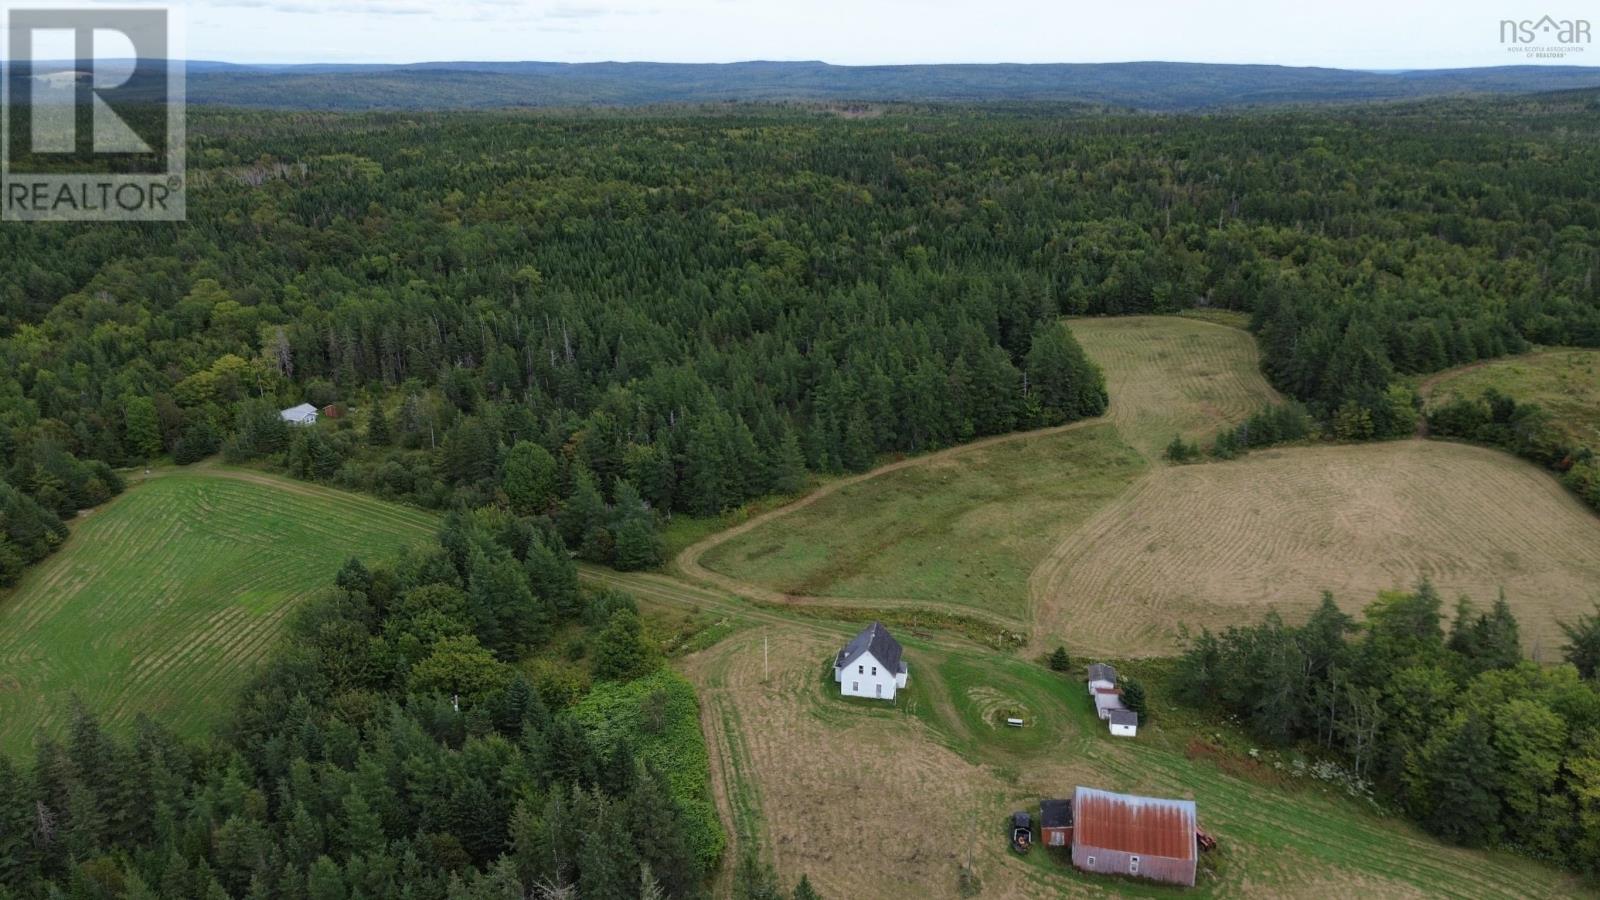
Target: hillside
162	600
1144	85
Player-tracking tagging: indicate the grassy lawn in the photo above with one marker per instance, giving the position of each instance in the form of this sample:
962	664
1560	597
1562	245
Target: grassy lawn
162	599
1565	382
963	531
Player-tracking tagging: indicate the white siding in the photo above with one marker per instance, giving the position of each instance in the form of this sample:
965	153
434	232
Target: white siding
1125	730
865	677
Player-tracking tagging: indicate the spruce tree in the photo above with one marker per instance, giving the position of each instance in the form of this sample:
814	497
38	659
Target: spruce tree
1059	661
1459	774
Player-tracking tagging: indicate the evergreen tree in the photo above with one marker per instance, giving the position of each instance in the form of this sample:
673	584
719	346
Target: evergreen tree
529	479
804	891
1059	660
619	651
1583	643
143	428
1133	697
378	432
1456	791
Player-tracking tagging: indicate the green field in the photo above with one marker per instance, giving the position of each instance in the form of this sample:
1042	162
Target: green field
965	530
161	600
1565	382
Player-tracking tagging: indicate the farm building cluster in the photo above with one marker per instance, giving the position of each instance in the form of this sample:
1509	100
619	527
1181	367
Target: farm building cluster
1121	834
1123	721
872	665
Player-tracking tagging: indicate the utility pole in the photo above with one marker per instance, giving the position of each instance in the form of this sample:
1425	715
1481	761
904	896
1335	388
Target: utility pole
764	672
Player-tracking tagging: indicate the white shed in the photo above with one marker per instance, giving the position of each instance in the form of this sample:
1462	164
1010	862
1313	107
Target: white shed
870	665
1101	676
304	414
1124	722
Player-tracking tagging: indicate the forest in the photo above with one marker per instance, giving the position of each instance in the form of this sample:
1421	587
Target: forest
464	724
1478	744
635	314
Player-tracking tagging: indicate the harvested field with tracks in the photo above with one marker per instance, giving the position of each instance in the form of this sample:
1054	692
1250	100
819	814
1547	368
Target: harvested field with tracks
1218	544
162	600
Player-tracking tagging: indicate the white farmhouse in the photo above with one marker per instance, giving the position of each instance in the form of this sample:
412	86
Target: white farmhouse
304	414
870	665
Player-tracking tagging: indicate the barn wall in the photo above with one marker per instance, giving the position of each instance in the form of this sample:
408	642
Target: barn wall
1116	862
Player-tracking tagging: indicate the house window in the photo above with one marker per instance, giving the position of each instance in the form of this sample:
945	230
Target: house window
861	670
874	670
1091	862
1133	865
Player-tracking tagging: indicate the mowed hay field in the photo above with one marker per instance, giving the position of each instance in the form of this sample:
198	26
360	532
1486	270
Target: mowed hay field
162	600
874	799
962	529
1218	544
1170	375
1565	382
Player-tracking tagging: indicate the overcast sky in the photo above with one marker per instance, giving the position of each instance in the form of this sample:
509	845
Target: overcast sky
1342	33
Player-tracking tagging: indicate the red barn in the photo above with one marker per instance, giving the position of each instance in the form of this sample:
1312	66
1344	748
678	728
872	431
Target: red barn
1120	834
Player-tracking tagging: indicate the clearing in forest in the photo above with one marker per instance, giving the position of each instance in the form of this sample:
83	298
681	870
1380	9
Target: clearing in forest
1565	382
163	599
1169	375
927	784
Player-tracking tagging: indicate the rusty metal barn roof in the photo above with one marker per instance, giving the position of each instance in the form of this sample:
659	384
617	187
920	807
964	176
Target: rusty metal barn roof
1142	825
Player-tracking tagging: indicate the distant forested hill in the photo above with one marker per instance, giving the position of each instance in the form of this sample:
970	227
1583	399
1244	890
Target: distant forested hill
1142	85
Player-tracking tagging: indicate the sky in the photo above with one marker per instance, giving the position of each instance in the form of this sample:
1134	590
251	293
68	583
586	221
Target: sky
1362	34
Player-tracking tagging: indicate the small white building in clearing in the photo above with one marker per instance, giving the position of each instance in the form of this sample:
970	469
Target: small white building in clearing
304	414
870	665
1101	676
1124	723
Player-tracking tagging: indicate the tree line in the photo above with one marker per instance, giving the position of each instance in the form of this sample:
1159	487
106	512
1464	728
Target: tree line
1524	429
1479	745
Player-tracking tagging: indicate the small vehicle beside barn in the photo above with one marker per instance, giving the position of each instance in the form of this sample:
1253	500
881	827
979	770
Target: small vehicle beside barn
1021	832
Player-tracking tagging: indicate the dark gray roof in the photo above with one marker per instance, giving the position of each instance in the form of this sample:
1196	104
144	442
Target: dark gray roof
1124	717
1055	813
876	638
1102	672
